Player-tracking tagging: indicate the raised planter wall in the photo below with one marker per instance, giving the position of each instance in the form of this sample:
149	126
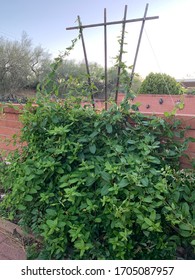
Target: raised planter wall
150	105
9	125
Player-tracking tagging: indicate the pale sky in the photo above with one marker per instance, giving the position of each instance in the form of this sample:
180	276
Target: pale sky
167	45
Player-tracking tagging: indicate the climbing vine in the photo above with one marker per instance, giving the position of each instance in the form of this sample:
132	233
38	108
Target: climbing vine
104	185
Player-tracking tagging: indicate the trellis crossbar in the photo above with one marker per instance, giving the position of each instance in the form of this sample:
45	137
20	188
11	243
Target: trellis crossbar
105	24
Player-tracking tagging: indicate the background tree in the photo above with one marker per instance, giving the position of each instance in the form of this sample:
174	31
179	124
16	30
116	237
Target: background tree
157	83
39	65
21	65
71	78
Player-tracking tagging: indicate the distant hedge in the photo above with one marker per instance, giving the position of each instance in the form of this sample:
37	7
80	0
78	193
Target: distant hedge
158	83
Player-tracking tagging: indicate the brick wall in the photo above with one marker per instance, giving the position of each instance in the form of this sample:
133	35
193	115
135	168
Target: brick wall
152	104
10	123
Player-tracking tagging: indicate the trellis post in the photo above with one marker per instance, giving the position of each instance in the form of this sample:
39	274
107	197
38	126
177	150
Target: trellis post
105	63
105	24
120	55
138	46
86	61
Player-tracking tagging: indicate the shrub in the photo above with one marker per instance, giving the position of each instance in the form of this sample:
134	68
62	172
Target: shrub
100	186
157	83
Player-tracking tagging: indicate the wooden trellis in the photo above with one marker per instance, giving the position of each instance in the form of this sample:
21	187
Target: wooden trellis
105	24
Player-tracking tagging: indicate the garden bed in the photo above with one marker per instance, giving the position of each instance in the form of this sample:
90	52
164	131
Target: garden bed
96	186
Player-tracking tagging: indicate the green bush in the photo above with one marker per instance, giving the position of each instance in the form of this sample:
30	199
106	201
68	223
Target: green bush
157	83
101	186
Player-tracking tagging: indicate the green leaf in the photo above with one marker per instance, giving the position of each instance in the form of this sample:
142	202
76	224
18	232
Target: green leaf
109	128
145	182
176	196
145	226
148	221
51	223
51	212
185	209
106	176
28	198
60	170
30	177
185	227
21	207
140	217
167	114
131	142
153	215
147	199
65	184
146	233
132	148
192	197
105	190
89	202
191	139
90	181
95	133
185	233
119	149
135	107
73	181
193	242
153	160
33	190
92	148
98	220
123	183
154	171
82	140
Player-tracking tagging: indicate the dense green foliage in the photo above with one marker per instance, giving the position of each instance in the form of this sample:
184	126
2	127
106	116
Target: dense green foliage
157	83
101	186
